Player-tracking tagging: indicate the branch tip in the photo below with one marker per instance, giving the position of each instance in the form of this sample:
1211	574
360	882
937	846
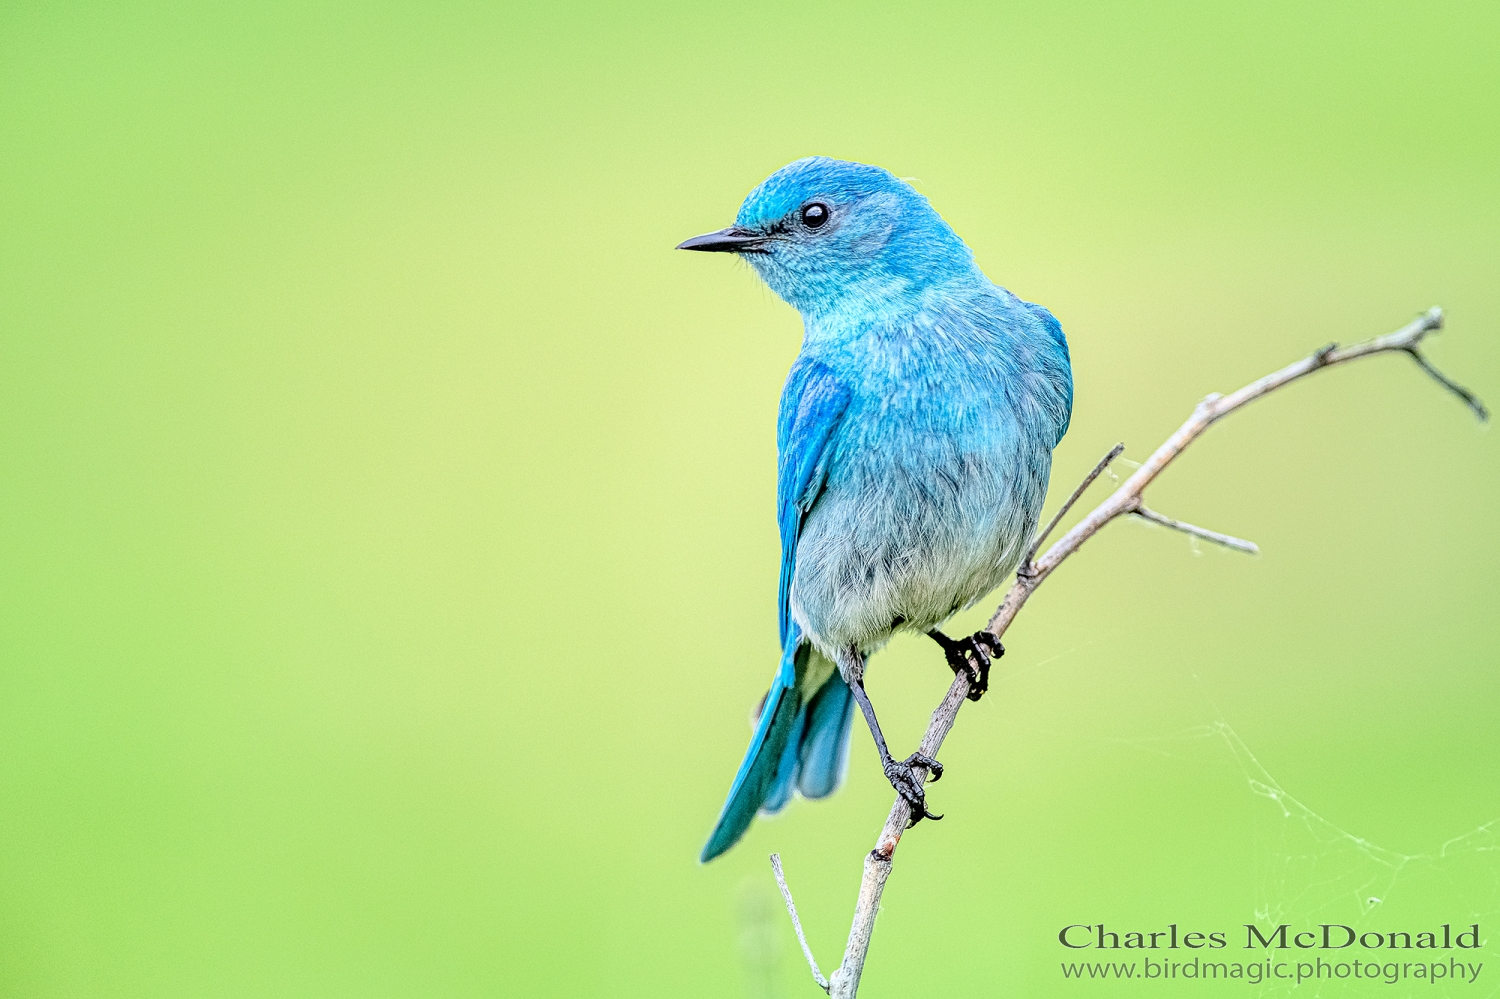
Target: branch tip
1469	398
791	908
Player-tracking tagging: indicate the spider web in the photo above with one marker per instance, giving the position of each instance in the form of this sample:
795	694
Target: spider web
1312	871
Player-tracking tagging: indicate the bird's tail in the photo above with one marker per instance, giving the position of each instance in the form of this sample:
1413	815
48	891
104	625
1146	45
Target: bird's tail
801	741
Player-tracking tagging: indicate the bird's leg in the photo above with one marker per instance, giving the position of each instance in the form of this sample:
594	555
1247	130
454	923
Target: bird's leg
902	774
971	655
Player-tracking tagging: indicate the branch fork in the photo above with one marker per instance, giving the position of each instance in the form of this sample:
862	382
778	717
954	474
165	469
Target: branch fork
1127	499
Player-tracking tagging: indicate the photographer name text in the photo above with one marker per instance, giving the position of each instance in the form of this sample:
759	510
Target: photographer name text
1322	936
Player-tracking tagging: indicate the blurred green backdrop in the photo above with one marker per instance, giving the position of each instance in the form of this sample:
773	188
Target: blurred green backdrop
386	509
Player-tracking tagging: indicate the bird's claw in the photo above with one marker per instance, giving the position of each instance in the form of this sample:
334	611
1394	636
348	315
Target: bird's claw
908	783
973	655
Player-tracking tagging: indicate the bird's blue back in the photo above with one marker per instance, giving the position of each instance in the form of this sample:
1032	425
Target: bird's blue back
914	447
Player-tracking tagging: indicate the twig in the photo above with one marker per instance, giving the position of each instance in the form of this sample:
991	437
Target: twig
1124	500
1469	398
1227	540
1062	512
791	907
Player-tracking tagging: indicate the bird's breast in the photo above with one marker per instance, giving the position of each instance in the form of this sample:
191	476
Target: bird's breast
918	518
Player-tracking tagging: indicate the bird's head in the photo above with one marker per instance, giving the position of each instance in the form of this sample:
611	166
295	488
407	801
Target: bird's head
827	233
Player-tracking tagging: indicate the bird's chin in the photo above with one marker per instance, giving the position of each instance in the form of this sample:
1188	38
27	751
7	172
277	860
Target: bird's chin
777	277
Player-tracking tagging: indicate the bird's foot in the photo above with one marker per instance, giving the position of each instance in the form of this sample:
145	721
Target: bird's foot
973	656
908	783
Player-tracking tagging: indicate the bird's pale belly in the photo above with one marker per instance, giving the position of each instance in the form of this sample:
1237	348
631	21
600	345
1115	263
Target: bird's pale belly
908	547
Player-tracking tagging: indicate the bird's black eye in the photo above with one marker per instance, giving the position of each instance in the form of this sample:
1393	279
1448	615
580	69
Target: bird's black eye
814	215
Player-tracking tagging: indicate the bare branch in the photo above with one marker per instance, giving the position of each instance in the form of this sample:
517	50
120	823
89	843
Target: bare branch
846	979
791	908
1124	500
1228	541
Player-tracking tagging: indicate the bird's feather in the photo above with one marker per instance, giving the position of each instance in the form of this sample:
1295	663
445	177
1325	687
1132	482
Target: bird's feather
802	731
812	403
824	756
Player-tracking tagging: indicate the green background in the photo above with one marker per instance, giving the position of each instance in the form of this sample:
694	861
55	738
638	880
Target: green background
387	559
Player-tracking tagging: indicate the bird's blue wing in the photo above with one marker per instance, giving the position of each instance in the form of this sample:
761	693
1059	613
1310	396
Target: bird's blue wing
812	403
802	734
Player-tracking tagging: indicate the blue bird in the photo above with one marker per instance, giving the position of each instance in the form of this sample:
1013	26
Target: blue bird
914	446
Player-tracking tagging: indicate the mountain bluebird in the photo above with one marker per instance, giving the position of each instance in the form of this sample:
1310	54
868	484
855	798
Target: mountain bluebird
914	444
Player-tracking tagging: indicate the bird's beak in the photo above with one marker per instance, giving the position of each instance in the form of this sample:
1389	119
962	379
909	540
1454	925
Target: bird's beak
731	240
